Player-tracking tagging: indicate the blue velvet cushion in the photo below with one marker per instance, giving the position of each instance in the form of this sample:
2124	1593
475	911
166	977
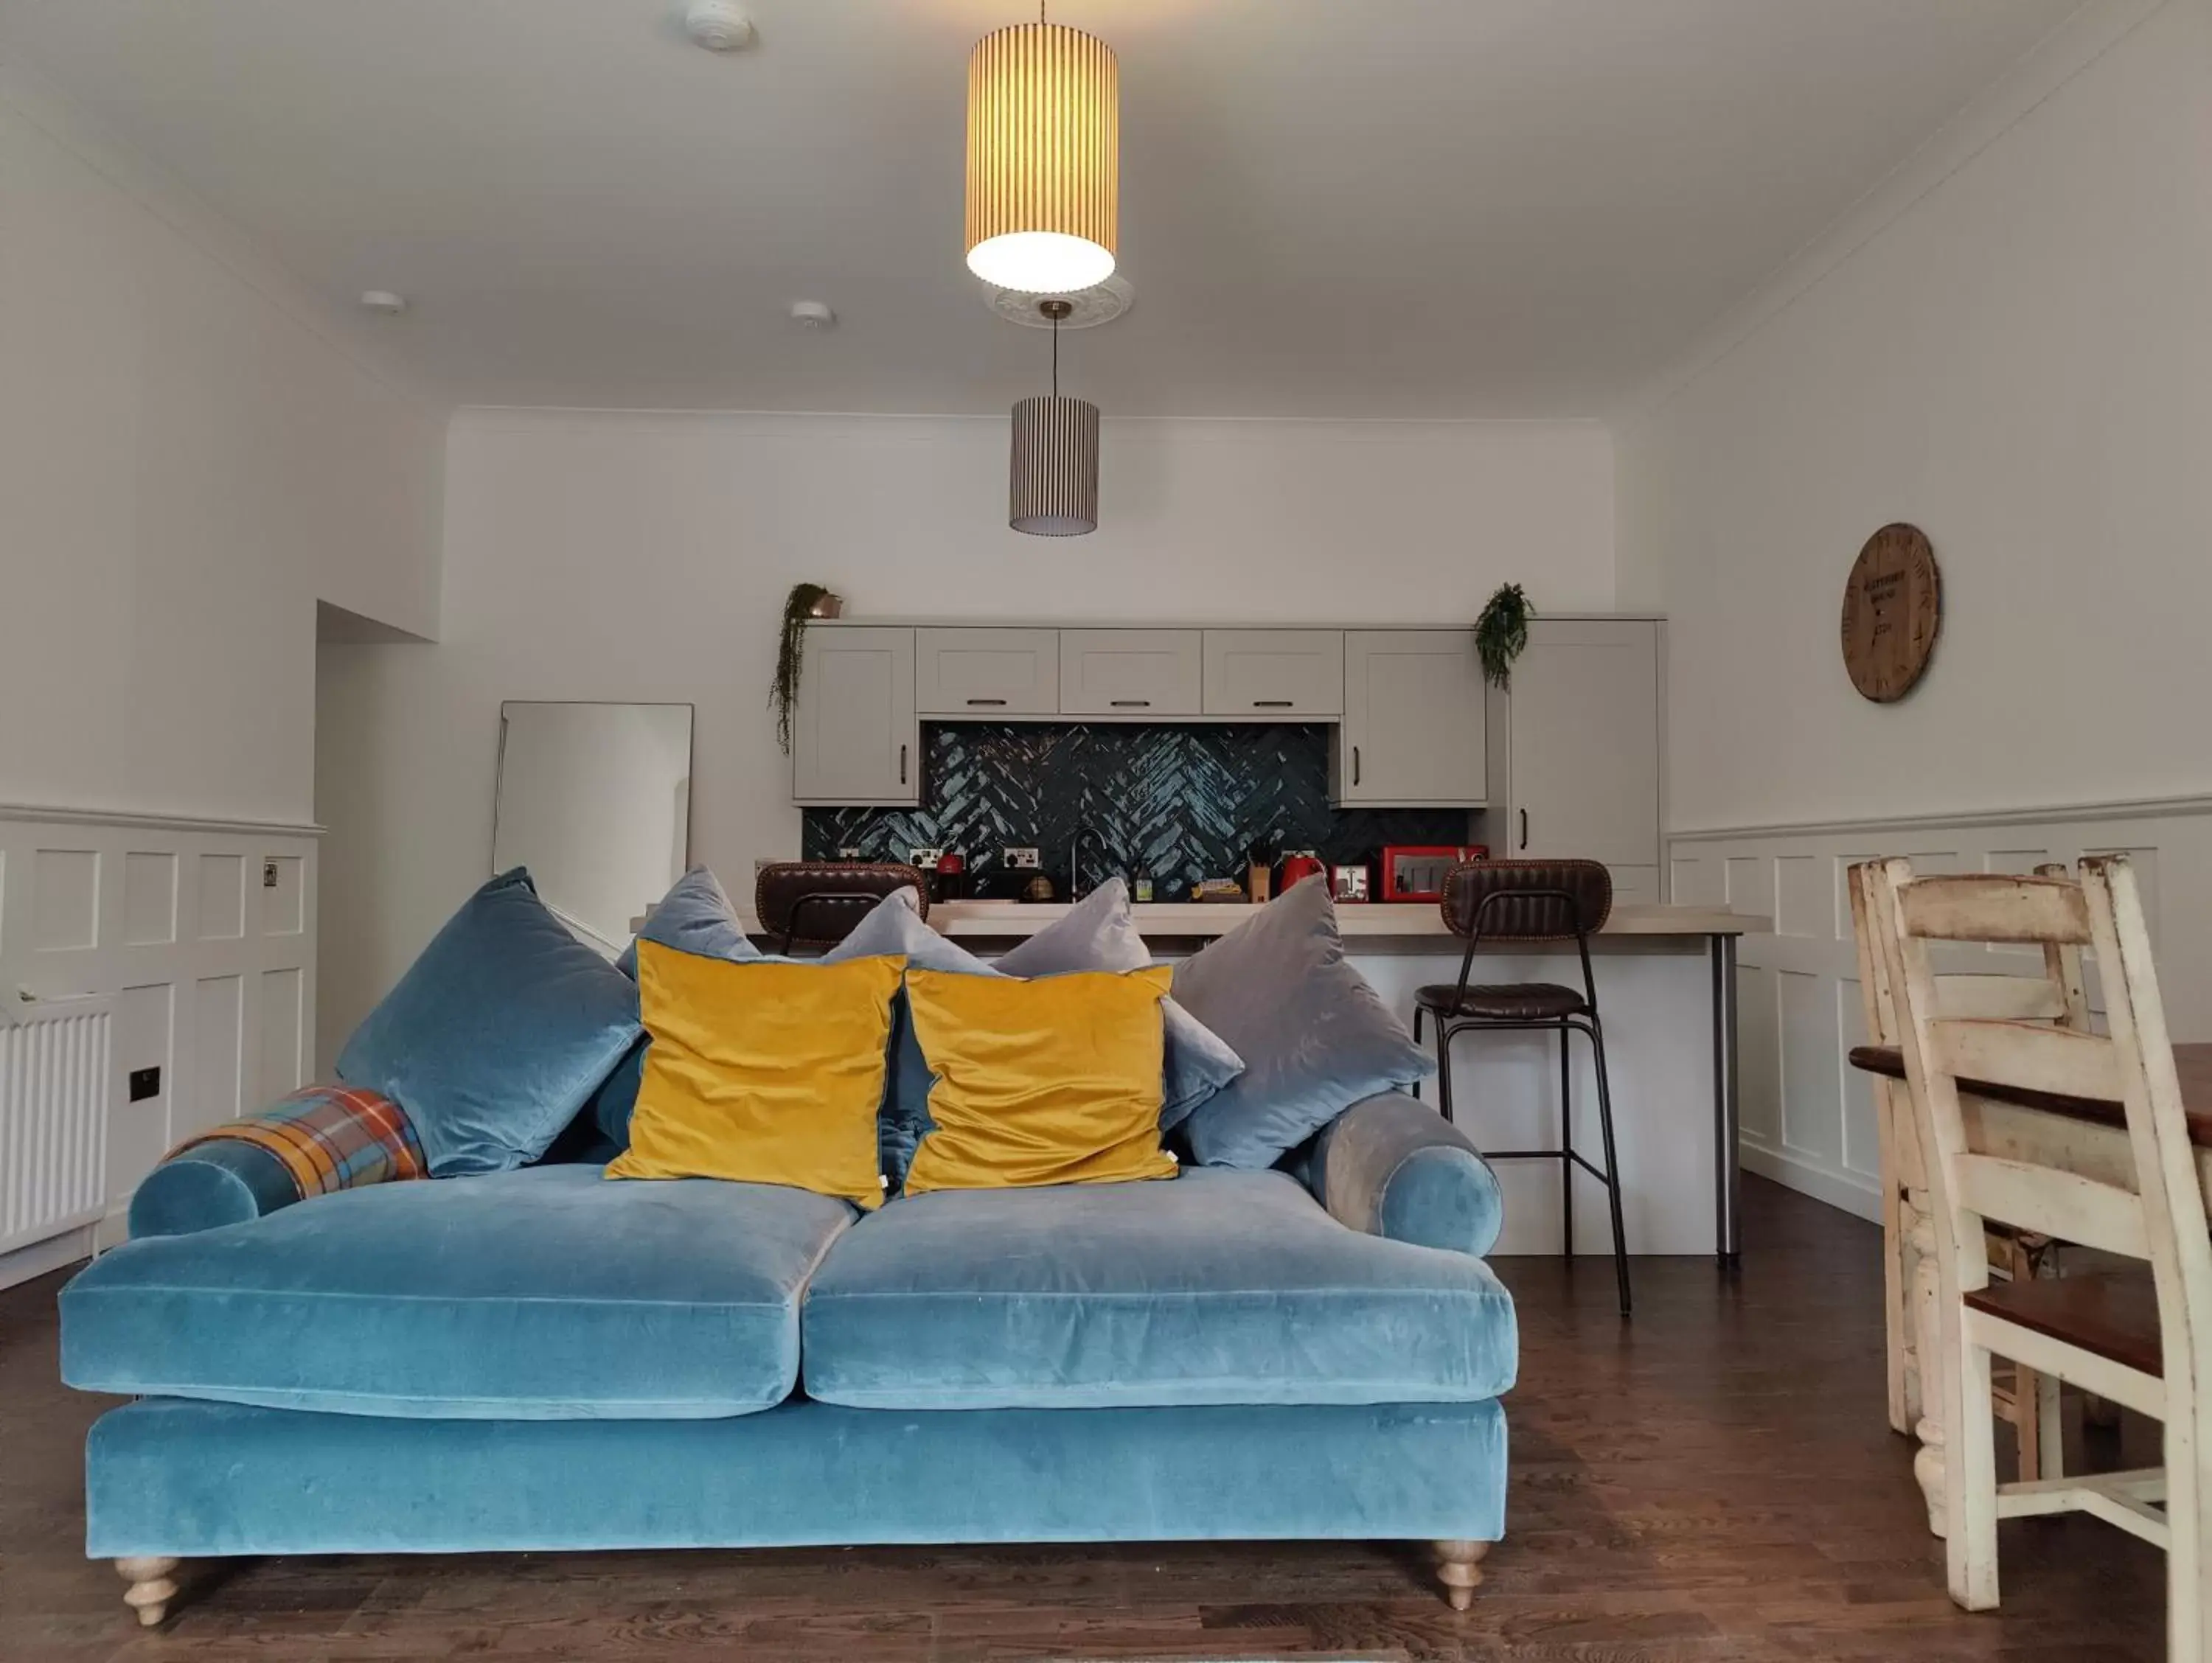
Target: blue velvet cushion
164	1477
1315	1038
497	1034
544	1293
694	917
1221	1288
1099	933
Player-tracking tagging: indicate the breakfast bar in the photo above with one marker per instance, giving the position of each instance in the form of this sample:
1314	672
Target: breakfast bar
1666	984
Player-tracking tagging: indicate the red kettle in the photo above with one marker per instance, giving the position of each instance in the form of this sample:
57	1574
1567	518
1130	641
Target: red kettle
1301	863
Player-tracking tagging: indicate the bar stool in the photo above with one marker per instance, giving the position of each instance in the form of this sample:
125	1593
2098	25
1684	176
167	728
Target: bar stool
817	903
1526	901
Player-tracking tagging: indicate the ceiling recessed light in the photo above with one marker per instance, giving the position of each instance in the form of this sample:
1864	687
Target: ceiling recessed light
383	300
720	26
812	314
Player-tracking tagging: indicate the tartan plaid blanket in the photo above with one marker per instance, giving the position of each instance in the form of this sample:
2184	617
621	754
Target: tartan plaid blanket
329	1138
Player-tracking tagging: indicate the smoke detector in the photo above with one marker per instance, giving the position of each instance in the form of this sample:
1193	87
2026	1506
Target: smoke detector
720	26
813	314
1087	309
383	300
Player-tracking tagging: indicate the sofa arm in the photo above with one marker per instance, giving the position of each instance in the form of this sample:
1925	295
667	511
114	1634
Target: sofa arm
322	1138
1395	1168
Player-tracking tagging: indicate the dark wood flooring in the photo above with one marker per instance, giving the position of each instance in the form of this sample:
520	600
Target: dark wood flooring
1713	1482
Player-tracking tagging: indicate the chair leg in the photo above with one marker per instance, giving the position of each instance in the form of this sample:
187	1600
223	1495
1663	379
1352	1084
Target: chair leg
1567	1150
2189	1522
1443	1069
1611	1160
1418	1014
1970	1478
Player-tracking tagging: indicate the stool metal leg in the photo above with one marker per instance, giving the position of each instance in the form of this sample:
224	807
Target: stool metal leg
1443	1069
1418	1014
1567	1150
1612	1161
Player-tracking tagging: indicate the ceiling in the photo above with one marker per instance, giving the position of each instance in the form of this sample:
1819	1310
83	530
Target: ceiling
1408	208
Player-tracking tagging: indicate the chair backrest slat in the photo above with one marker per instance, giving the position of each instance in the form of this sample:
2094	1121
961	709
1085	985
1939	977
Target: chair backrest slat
2025	1055
2063	1206
1993	906
2003	999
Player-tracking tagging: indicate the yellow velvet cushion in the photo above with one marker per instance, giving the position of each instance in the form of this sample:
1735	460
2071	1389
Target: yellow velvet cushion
766	1073
1049	1082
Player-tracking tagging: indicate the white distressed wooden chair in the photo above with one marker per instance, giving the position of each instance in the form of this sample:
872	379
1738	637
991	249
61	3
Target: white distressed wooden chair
2028	1402
2148	1348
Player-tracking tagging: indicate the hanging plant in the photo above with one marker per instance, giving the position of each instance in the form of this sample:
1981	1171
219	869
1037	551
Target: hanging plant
1501	632
806	600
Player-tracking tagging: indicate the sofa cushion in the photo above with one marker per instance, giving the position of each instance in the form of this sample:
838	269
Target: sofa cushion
1221	1287
1314	1036
543	1293
497	1034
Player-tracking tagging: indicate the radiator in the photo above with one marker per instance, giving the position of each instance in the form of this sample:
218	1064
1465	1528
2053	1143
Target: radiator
53	1117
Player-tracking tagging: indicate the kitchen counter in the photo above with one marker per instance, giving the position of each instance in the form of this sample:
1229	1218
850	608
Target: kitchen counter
1366	920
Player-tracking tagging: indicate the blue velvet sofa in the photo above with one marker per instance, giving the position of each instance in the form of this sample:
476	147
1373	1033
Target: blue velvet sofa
540	1360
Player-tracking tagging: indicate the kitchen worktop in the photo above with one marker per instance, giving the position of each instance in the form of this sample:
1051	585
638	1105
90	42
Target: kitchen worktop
1363	920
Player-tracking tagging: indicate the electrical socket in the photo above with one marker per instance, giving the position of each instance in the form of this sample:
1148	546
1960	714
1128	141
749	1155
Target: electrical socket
1022	860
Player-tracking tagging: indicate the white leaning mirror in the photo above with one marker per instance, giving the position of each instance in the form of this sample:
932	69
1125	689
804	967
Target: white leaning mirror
596	800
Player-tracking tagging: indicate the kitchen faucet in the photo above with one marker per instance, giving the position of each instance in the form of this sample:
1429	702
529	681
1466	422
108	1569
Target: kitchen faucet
1075	857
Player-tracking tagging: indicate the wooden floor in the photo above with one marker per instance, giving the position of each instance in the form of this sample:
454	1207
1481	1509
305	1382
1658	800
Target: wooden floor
1712	1482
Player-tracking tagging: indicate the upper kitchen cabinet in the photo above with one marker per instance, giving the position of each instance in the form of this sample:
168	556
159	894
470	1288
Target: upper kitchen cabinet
854	736
1264	674
1138	675
1576	746
1413	729
987	672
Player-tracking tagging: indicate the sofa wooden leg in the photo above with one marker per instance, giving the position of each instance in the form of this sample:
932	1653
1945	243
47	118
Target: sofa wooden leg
151	1586
1459	1568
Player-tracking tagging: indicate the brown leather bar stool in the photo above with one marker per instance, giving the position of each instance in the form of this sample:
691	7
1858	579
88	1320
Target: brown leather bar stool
817	903
1523	901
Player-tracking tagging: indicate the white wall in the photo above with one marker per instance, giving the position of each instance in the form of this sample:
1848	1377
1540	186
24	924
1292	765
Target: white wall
610	557
2009	344
2011	348
186	464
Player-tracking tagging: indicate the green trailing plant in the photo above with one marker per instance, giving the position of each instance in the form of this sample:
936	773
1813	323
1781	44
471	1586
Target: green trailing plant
798	606
1501	632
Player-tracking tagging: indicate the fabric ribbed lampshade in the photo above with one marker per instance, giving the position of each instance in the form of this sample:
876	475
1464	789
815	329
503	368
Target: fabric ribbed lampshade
1054	480
1044	159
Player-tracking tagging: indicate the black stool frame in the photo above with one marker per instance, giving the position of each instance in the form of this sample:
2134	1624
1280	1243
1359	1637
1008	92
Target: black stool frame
1585	1021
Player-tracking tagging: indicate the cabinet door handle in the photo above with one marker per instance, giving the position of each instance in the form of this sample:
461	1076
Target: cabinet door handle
987	702
902	765
1272	704
1131	704
1355	765
1524	829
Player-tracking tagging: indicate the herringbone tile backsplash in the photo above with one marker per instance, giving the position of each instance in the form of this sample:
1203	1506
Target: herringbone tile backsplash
1178	803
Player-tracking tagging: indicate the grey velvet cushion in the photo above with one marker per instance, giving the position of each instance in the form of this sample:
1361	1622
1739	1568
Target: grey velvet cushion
1314	1036
1100	933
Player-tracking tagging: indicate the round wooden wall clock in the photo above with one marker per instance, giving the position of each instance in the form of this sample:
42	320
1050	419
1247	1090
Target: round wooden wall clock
1892	609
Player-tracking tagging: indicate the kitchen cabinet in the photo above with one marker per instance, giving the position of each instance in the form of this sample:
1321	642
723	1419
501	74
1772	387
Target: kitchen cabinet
986	673
1575	748
1414	728
1263	674
855	738
1134	674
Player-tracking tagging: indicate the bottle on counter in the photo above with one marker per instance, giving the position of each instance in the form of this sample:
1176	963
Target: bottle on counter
1140	888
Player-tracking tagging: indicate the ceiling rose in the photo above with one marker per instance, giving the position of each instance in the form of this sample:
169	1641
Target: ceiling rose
1043	158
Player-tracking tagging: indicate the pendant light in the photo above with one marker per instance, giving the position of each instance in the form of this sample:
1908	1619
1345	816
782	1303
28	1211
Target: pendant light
1053	483
1043	158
